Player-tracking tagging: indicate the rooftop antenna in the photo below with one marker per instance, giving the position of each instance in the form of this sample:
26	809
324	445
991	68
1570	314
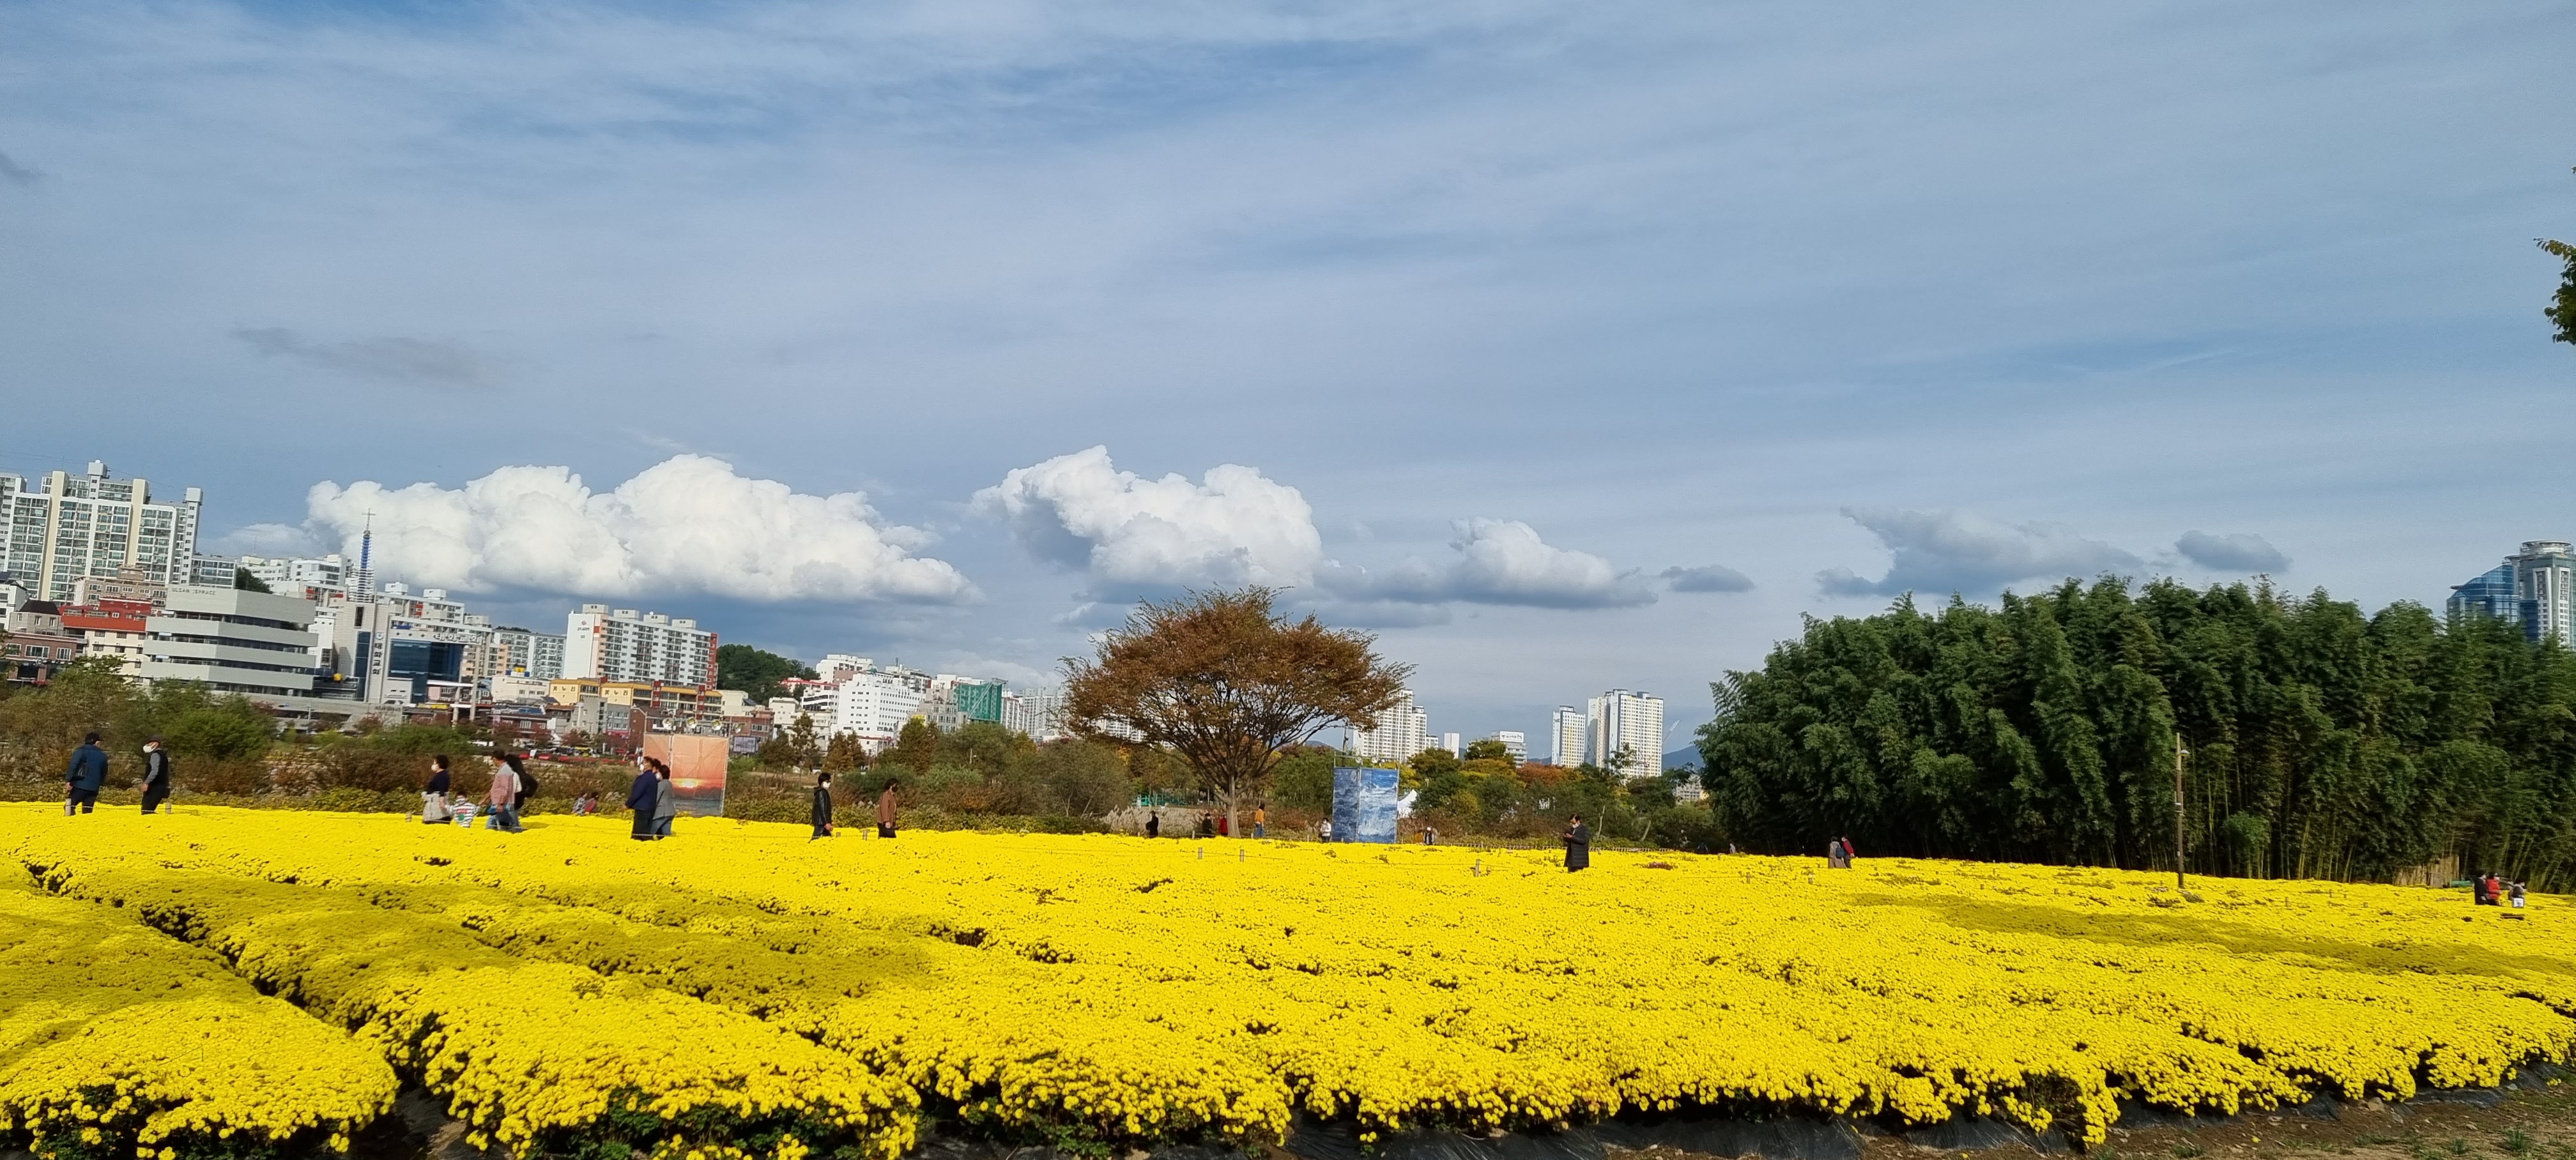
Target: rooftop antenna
366	555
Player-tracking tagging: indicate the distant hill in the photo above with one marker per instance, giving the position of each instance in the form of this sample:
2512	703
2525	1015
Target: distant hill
1686	757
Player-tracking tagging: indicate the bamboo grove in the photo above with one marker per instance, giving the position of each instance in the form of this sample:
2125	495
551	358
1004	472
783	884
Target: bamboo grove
2320	742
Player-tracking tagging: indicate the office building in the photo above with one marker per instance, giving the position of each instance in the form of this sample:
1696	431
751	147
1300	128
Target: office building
232	641
1401	732
604	644
60	527
1514	743
1569	736
670	707
1626	732
2531	589
1452	742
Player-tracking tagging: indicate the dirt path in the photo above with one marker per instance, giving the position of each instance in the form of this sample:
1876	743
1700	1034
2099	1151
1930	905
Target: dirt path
2537	1124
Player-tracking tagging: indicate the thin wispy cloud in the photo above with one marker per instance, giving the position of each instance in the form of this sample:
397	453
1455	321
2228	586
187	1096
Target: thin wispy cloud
392	358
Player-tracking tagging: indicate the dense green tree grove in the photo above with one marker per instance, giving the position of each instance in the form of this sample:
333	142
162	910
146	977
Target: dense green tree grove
2322	742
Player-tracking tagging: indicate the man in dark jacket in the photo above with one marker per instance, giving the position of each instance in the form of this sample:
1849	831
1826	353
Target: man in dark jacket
81	781
156	776
642	795
822	806
1578	845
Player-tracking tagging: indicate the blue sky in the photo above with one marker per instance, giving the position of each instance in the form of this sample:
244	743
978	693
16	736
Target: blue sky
1567	347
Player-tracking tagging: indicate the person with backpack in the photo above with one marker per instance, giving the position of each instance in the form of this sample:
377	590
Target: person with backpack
504	799
82	779
156	776
822	805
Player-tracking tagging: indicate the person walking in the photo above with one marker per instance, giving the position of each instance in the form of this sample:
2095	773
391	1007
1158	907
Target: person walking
822	806
1260	822
666	800
642	794
433	796
527	785
156	776
886	806
1154	824
504	799
83	777
1578	845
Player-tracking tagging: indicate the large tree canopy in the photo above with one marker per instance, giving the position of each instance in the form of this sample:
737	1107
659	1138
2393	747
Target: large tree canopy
756	671
2322	742
1224	681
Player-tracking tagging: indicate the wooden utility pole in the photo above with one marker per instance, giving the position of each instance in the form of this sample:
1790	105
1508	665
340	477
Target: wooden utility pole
2179	754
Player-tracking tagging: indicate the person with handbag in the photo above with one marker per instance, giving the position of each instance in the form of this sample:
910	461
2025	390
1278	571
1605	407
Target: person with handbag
433	797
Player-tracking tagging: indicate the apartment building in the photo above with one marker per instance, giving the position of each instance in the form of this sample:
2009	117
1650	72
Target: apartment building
59	527
1401	732
623	644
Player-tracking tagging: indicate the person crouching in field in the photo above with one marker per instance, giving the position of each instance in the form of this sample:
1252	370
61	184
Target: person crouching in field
1578	845
822	805
642	795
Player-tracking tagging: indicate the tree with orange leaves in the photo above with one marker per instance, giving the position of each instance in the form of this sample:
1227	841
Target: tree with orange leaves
1225	682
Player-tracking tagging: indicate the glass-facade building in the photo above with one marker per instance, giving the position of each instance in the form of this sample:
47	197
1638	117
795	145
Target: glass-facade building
2533	588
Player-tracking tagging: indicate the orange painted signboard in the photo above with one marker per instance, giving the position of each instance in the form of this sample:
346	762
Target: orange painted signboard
697	769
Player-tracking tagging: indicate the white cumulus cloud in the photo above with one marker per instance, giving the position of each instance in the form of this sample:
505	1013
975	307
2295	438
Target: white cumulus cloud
1499	562
1233	526
1947	551
687	524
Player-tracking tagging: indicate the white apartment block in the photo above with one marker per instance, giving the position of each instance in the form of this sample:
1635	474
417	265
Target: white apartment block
1569	733
519	652
858	699
1401	732
1039	713
287	577
1514	743
605	644
60	527
1620	720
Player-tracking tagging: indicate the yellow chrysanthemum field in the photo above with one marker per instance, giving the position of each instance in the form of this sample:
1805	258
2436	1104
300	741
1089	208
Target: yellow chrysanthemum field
739	990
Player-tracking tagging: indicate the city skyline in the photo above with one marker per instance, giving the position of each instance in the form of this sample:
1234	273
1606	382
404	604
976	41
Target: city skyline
1567	352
